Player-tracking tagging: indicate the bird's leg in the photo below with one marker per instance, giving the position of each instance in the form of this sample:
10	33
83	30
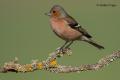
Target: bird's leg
61	49
67	47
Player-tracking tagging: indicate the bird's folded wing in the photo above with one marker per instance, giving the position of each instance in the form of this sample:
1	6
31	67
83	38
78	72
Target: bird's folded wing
73	24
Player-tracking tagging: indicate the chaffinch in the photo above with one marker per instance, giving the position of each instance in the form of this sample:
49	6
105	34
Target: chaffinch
67	28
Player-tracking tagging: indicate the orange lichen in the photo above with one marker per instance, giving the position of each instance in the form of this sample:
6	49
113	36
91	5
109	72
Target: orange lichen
40	65
53	63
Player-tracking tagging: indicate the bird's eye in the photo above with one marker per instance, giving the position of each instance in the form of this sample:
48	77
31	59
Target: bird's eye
54	11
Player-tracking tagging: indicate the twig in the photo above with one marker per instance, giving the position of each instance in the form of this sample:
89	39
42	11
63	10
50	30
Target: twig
50	64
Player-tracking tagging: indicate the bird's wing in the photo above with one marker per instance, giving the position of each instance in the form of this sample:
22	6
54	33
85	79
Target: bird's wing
73	24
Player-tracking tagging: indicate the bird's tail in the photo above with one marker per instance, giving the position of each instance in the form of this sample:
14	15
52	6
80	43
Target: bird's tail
93	43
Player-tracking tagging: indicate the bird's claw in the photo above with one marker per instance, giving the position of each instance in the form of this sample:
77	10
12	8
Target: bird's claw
62	51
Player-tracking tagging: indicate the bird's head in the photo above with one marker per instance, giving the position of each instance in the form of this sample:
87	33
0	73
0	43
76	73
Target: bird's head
57	12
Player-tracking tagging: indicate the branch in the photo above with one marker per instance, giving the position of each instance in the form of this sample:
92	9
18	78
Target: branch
87	67
50	64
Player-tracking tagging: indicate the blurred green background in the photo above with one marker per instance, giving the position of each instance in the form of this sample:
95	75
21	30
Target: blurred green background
25	33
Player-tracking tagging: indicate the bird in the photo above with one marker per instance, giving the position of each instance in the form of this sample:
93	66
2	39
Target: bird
67	28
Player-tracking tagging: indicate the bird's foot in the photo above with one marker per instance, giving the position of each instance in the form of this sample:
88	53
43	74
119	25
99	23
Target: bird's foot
62	51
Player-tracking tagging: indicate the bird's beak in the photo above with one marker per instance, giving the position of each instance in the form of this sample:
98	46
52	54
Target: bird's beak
48	14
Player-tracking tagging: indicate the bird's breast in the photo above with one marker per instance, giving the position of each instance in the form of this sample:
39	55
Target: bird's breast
58	25
63	30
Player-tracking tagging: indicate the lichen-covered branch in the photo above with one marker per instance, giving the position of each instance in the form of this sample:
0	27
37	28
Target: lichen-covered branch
50	64
86	67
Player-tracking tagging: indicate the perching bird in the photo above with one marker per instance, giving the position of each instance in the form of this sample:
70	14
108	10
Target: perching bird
67	28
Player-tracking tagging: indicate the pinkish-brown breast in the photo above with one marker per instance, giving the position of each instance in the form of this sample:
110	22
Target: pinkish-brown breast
63	30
